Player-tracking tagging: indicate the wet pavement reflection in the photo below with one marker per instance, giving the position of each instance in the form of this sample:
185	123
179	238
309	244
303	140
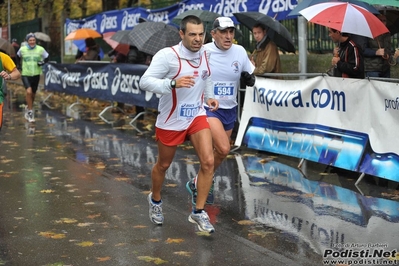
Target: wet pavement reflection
71	170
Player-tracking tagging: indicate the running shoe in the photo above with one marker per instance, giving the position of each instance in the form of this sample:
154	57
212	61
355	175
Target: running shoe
155	211
26	114
190	186
202	221
31	116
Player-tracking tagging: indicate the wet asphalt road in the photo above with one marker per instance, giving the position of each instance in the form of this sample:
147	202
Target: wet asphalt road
73	192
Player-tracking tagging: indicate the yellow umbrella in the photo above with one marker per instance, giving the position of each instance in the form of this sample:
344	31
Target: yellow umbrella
82	33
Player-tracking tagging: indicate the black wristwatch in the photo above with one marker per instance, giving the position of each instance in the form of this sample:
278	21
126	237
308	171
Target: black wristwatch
173	84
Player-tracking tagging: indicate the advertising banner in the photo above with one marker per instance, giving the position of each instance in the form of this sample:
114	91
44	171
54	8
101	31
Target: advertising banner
346	123
107	82
126	19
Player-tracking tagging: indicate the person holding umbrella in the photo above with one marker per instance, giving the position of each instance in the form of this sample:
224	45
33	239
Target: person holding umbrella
347	61
181	75
376	54
229	63
33	56
265	57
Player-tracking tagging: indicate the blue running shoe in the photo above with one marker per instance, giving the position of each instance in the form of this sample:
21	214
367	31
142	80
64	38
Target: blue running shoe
155	211
202	221
190	186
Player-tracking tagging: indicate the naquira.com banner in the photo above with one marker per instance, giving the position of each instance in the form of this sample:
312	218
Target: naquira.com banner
346	123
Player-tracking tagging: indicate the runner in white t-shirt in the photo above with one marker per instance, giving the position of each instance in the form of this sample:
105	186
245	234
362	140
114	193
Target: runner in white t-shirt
181	74
229	63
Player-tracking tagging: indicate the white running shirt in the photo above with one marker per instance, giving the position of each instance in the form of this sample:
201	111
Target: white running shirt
226	67
178	108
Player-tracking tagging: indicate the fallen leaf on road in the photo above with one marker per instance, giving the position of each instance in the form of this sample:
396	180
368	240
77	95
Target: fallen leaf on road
85	244
67	221
84	224
199	233
183	253
94	216
103	259
140	226
246	222
47	191
151	259
49	234
174	240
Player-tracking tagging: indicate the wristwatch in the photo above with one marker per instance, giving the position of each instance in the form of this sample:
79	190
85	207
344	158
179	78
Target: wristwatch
173	84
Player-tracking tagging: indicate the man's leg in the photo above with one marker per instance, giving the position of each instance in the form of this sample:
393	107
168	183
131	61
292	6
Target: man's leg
165	157
202	142
221	148
221	140
29	98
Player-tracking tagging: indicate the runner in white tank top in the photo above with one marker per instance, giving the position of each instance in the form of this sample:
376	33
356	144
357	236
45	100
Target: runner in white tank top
181	74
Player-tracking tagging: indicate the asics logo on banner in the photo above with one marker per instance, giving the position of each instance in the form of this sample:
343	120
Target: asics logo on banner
91	24
276	5
108	23
72	27
159	17
129	20
228	7
95	80
52	76
70	79
185	7
126	83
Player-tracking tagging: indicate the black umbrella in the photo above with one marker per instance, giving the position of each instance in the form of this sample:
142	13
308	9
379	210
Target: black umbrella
121	36
305	4
207	17
392	15
275	30
150	37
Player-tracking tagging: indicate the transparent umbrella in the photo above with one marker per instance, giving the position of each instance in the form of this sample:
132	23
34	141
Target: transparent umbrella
42	36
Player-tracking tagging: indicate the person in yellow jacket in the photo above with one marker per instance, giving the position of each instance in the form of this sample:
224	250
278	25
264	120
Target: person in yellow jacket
32	57
8	71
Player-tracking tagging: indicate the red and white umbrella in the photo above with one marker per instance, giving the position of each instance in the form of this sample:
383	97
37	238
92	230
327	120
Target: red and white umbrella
119	47
345	17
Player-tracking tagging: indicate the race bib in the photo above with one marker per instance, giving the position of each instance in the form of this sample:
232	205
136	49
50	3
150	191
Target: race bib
188	110
224	90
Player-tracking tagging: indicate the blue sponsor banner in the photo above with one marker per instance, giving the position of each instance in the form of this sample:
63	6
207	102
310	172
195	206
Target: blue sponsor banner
326	145
107	82
126	19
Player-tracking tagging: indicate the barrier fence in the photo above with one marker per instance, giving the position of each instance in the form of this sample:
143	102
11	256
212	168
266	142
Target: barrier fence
345	123
102	81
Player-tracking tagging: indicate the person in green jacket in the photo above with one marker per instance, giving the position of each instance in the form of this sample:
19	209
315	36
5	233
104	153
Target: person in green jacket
32	56
8	71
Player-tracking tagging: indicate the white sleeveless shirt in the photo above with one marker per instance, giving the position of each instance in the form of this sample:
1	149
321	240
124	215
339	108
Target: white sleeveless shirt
178	109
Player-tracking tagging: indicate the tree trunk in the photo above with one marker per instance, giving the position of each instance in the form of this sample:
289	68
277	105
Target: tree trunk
110	5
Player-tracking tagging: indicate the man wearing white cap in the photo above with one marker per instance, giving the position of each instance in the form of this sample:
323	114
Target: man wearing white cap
229	63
